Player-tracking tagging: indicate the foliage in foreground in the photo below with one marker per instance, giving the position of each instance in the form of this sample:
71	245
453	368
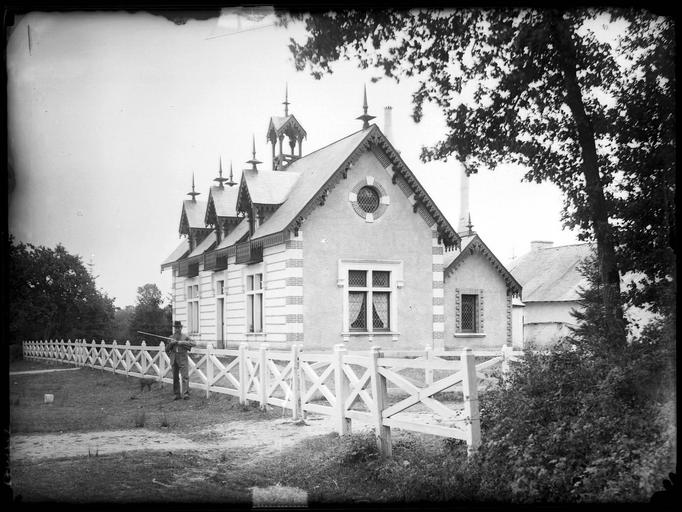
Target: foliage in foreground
572	428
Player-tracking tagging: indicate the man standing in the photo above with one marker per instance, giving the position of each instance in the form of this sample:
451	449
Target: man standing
178	347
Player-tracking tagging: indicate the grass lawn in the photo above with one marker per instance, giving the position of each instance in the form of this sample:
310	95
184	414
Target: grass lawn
331	469
87	399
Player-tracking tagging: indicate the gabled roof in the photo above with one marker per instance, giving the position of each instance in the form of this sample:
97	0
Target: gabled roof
265	187
319	171
204	246
193	215
472	244
551	274
222	202
280	125
177	253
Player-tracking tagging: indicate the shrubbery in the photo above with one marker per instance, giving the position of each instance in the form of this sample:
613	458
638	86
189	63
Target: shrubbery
573	425
579	427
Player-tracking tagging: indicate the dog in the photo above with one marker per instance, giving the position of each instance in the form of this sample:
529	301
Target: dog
146	382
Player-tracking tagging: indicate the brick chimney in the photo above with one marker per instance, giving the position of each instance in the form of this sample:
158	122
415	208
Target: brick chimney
538	245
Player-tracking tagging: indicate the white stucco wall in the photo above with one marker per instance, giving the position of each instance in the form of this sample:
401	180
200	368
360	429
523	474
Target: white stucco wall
334	231
541	312
476	273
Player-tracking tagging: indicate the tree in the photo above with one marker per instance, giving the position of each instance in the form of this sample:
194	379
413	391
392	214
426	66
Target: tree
644	202
122	318
149	316
52	295
529	87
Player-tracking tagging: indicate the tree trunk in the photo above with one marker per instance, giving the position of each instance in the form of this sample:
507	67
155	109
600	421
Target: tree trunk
608	266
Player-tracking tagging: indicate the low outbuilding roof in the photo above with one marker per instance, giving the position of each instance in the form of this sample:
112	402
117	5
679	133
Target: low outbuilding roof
551	274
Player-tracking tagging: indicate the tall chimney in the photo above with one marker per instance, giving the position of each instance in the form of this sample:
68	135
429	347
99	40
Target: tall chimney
463	201
388	123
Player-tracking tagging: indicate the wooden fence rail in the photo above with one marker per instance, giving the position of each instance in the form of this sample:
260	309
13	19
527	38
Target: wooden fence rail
420	390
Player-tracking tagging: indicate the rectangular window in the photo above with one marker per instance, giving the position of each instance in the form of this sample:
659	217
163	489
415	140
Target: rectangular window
469	313
193	308
220	287
254	303
369	287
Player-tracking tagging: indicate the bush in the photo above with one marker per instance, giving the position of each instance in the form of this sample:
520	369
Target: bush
576	428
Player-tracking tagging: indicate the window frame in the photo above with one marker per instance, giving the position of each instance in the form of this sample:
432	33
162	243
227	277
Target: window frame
193	295
474	311
395	269
252	297
479	327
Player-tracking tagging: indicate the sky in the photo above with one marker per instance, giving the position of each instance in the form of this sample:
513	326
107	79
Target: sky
111	114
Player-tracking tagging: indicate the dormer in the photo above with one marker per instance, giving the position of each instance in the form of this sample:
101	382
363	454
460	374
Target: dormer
221	208
289	127
192	219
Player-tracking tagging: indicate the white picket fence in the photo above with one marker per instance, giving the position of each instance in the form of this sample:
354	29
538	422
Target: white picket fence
415	390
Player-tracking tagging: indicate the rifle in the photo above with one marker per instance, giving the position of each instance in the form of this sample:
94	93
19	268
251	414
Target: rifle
155	335
168	346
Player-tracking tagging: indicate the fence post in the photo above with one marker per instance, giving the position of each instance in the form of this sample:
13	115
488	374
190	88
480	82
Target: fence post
470	392
506	357
295	384
114	356
341	389
242	373
209	368
143	357
162	362
263	357
103	358
126	358
383	432
94	351
428	372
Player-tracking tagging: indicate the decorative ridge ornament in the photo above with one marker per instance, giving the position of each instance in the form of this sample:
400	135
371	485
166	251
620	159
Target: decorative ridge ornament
364	117
286	99
231	181
254	162
220	178
470	225
193	194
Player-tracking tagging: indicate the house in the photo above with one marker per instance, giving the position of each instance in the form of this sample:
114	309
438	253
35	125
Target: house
340	245
551	280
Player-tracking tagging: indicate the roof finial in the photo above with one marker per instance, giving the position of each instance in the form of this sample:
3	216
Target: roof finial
231	182
193	194
364	117
253	160
286	99
220	178
470	225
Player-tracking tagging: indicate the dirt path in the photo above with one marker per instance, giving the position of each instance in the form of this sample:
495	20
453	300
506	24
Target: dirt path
264	436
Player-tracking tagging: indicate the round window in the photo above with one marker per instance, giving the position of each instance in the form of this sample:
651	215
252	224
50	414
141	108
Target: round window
368	199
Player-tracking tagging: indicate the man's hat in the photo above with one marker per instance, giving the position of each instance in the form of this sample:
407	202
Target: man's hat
177	323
